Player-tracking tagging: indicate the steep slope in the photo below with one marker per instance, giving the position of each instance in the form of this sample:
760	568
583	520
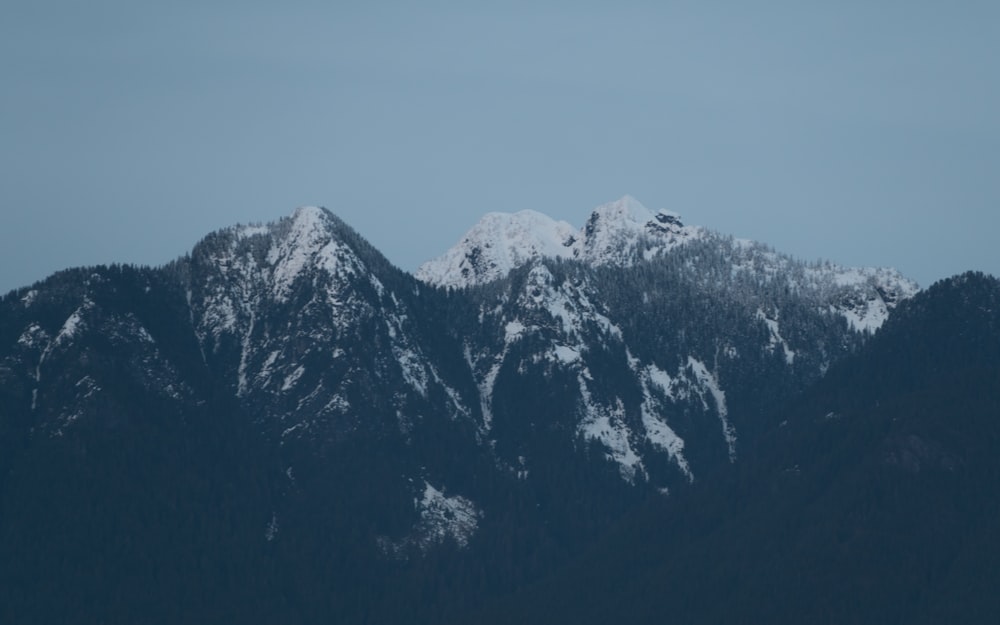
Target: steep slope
329	433
874	502
311	328
661	334
344	363
120	464
625	233
280	400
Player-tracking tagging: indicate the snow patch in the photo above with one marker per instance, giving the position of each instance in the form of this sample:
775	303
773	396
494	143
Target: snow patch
607	426
566	355
775	336
292	378
443	517
264	375
657	431
33	336
271	532
513	331
662	436
710	383
412	368
661	379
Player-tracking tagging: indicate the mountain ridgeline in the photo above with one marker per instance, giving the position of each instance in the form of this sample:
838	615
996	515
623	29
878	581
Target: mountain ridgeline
282	426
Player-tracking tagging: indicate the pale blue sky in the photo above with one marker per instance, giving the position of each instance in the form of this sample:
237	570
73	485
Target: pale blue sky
860	132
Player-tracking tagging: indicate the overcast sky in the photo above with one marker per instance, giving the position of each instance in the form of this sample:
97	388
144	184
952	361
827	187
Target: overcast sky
867	133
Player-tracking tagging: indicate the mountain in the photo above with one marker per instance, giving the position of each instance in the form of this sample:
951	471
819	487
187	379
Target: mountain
875	500
620	233
625	233
283	421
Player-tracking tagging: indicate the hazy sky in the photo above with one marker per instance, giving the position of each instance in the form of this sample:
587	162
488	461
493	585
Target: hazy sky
860	132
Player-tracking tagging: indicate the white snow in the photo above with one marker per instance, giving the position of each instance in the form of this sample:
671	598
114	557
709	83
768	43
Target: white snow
264	375
309	243
606	424
442	517
613	231
710	383
660	434
245	349
567	304
336	404
72	324
501	242
486	385
272	528
623	231
412	367
292	378
661	379
33	336
245	232
513	331
657	431
290	430
456	399
857	292
775	336
566	355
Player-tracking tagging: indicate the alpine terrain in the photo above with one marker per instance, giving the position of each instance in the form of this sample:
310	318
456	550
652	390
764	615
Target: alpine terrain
281	426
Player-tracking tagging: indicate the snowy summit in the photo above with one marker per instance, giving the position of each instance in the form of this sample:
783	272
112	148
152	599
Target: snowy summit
624	232
619	232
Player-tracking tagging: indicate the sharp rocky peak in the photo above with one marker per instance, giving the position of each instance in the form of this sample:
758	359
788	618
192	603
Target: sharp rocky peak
277	254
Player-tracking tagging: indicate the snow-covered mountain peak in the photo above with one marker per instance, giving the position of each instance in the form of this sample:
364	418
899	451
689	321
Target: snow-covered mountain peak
618	232
625	212
497	244
312	213
623	231
310	241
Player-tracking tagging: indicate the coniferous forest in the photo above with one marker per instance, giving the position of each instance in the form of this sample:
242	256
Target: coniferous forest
675	441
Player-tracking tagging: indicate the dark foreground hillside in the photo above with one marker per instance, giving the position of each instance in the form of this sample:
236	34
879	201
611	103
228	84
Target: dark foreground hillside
876	502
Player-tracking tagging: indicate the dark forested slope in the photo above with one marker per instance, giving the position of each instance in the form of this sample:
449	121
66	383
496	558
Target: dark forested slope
876	501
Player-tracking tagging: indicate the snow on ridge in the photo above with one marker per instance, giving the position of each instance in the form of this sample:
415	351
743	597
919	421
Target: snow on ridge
864	296
497	244
73	323
501	242
623	231
309	242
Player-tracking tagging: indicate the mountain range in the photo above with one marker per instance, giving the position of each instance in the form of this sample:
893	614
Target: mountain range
282	426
